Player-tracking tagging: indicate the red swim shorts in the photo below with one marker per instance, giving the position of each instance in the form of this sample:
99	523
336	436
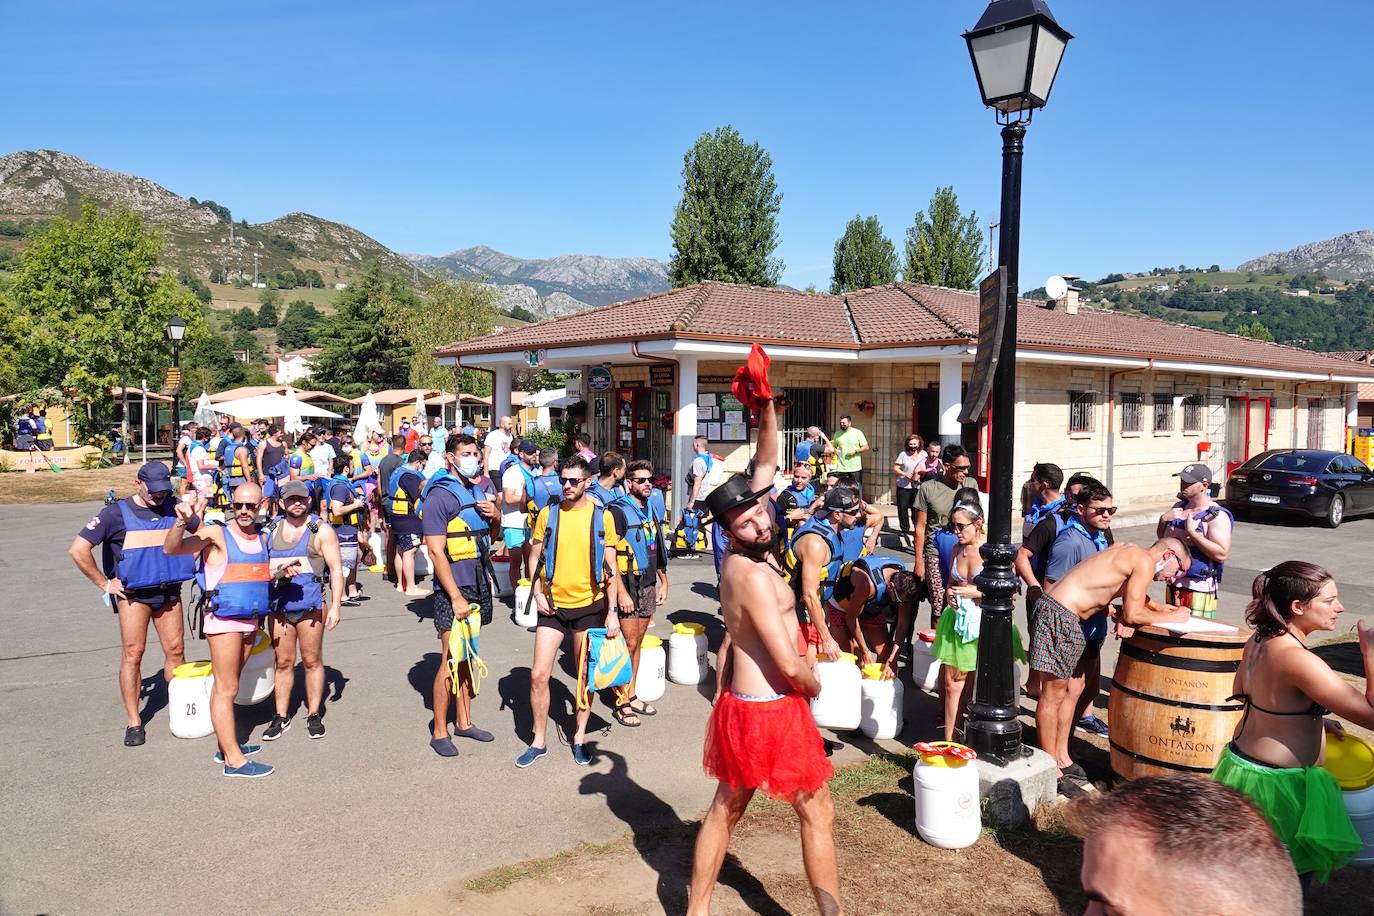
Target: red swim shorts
771	745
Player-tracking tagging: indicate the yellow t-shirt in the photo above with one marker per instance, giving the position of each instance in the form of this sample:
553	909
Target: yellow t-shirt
572	585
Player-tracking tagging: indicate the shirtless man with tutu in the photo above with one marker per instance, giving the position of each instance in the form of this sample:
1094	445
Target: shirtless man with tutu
761	734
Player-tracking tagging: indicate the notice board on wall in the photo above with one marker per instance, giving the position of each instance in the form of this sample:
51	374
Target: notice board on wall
721	417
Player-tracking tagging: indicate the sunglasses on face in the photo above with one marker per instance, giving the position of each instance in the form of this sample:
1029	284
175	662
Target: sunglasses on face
572	481
960	467
425	442
960	526
640	479
1103	510
249	506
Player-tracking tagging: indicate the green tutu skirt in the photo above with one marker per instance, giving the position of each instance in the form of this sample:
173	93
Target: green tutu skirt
1303	805
960	654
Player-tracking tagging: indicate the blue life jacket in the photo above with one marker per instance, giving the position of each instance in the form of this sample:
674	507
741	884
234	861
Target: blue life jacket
401	505
643	527
1201	567
348	520
831	572
659	506
1099	539
795	499
852	543
468	534
1039	511
874	567
542	490
303	591
242	592
26	426
945	542
143	563
598	545
601	495
1040	561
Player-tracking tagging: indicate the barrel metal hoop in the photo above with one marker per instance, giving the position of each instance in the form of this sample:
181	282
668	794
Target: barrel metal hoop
1181	767
1181	704
1183	664
1184	643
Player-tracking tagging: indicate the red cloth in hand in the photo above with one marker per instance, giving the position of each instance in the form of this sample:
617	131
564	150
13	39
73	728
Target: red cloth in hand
751	385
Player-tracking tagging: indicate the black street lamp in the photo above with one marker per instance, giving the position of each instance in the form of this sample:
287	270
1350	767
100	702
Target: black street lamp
1016	48
176	330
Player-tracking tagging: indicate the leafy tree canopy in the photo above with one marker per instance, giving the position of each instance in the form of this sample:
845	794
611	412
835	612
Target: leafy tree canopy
726	225
451	311
360	347
864	256
300	326
946	247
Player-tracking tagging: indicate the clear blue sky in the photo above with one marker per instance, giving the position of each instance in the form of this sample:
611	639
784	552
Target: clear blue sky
1178	131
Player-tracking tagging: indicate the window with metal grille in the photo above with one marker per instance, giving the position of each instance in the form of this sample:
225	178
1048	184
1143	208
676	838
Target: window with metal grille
1131	409
1164	413
1081	411
805	407
1316	423
1192	413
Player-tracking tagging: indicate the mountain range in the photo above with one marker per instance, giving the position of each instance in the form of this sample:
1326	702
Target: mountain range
1346	257
200	236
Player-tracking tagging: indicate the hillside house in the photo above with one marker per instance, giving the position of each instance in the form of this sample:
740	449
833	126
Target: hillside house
294	366
1128	398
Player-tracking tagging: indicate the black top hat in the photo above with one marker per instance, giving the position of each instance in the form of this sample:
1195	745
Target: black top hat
732	494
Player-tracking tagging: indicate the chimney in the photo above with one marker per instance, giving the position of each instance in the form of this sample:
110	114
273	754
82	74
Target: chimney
1071	301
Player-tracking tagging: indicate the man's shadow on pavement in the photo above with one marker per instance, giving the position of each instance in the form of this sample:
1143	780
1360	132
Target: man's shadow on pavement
665	842
154	689
514	690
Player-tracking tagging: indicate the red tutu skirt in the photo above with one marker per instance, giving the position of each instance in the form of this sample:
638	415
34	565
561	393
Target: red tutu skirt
771	745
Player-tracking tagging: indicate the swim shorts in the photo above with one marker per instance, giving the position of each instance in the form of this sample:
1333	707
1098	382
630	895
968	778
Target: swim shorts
479	594
1057	644
766	743
215	625
578	620
644	595
157	597
513	536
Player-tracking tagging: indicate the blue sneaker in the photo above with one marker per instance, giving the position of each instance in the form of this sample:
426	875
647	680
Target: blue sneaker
247	750
1093	726
251	769
580	755
530	756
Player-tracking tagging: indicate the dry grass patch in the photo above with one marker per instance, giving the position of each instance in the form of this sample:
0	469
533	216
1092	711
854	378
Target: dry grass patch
67	486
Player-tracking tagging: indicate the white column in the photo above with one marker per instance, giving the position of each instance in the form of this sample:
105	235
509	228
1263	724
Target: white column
684	426
500	395
1352	414
951	399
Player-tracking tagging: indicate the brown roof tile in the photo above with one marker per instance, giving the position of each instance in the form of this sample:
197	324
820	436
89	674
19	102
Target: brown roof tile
893	315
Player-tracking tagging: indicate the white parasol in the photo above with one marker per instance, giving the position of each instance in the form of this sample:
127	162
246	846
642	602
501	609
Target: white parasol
369	421
291	415
205	411
265	406
420	415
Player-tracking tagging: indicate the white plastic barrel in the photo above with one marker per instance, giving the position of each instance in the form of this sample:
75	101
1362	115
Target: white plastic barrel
374	540
500	579
839	703
526	611
925	667
687	654
1350	760
650	679
947	809
188	700
259	674
880	704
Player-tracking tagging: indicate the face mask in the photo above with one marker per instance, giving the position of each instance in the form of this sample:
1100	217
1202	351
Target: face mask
348	449
468	466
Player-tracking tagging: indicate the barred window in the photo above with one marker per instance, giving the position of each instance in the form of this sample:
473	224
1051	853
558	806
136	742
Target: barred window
1192	413
1081	411
1164	413
1131	409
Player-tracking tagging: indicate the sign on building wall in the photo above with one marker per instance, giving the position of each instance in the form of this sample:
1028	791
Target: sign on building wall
599	378
661	375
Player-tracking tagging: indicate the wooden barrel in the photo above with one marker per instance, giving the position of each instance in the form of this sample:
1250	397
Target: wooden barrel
1168	710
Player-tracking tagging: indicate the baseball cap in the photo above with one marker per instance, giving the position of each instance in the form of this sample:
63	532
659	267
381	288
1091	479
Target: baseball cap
527	447
155	476
294	488
1192	473
840	499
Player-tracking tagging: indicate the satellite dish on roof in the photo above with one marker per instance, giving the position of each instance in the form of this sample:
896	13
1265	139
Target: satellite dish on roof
1056	287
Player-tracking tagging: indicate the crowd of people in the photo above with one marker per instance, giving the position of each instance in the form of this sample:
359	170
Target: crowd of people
272	529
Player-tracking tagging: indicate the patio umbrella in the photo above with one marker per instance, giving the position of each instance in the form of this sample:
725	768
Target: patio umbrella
420	411
265	406
368	420
205	411
291	415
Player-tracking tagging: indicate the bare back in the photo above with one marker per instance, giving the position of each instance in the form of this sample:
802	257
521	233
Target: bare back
760	615
1093	584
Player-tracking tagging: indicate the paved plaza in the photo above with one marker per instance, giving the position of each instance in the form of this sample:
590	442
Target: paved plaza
369	814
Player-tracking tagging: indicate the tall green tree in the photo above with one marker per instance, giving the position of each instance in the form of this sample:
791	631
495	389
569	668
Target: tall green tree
946	247
300	326
864	257
245	319
96	306
726	225
451	311
1256	330
360	347
209	365
267	314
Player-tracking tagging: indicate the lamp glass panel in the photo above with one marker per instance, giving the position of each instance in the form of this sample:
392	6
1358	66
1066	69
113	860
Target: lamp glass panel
1001	61
1048	50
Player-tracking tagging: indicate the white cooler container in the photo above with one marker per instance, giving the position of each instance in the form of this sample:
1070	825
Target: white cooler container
259	672
839	704
650	680
948	813
687	654
188	700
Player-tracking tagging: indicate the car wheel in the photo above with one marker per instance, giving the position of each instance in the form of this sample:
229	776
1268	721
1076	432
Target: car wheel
1335	513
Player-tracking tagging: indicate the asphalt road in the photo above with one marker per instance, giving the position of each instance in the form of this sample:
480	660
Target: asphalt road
370	813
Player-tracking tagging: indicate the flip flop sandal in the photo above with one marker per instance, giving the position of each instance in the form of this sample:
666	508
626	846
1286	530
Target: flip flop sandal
622	715
1076	773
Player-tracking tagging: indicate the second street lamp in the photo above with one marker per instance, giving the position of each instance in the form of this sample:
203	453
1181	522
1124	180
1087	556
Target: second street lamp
1016	48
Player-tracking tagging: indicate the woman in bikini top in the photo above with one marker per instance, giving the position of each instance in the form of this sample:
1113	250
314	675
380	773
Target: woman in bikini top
1286	687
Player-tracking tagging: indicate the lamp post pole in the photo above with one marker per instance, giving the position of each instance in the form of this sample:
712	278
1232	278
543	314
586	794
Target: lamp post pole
993	729
176	394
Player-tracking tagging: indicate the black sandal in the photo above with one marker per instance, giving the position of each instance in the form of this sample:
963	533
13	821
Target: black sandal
644	710
622	714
